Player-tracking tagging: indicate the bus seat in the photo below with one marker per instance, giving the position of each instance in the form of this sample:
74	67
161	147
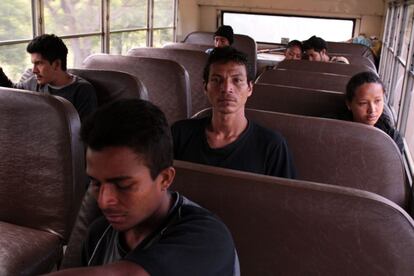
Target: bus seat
291	227
303	79
340	153
350	48
243	43
324	67
357	60
300	101
187	46
193	62
167	82
293	100
43	172
112	85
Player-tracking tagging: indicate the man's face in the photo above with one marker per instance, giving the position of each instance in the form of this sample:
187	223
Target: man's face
227	88
293	53
124	188
317	56
221	41
44	70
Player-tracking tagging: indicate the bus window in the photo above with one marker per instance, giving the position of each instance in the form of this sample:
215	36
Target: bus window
272	28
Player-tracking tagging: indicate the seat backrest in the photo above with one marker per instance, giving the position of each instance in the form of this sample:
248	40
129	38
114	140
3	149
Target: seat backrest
206	38
350	48
357	60
291	227
112	85
340	153
312	80
324	67
42	164
293	100
243	43
193	62
167	82
187	46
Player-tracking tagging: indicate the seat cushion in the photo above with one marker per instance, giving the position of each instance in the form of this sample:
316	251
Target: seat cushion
27	251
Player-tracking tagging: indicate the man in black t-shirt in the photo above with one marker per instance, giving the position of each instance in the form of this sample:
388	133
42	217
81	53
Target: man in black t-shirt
146	229
227	138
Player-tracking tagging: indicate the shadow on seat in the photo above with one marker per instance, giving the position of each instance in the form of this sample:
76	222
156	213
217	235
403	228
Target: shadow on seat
112	85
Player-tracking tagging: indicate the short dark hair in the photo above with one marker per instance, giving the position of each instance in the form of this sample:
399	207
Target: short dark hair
358	80
50	47
225	55
295	43
315	43
133	123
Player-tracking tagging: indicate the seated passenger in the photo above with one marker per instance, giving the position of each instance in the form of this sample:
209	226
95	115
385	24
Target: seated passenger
48	55
223	37
316	50
146	229
294	50
365	102
227	138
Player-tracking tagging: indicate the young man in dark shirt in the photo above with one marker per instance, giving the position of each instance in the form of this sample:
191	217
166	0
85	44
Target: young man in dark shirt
48	54
227	138
146	229
316	50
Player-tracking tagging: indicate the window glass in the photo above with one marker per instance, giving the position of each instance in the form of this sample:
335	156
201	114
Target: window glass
272	28
122	42
407	32
65	17
395	26
388	24
14	60
409	132
161	37
163	13
388	71
81	47
126	14
15	20
398	81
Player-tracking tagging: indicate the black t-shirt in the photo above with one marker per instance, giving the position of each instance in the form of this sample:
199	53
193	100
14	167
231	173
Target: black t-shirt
191	241
257	150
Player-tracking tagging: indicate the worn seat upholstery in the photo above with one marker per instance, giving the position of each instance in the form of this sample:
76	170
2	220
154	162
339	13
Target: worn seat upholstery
324	67
167	82
193	62
291	227
112	85
312	80
293	100
340	153
43	180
